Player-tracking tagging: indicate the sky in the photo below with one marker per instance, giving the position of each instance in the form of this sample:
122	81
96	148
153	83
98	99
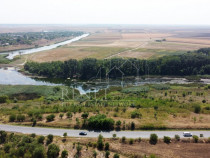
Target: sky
179	12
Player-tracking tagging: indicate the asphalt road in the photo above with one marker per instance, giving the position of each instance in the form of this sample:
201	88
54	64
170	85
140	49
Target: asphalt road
75	133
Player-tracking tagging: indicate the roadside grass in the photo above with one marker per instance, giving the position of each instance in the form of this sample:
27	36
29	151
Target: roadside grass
4	60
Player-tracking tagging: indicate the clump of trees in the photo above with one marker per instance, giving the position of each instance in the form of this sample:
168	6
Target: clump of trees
191	63
100	122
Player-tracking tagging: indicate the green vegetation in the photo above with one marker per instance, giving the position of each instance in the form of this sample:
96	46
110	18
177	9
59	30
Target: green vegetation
29	37
153	139
192	63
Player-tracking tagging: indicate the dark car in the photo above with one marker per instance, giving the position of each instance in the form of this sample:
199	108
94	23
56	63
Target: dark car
83	133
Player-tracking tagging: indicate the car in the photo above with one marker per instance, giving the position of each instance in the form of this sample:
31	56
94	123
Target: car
83	133
187	134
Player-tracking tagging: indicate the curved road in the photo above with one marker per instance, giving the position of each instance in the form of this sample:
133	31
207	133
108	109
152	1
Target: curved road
75	133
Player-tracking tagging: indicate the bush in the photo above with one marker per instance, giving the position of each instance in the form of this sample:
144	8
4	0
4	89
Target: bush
107	153
3	99
39	152
20	118
49	138
131	141
132	126
106	146
69	115
100	122
41	139
12	118
100	144
197	109
167	140
50	118
136	114
195	138
85	115
116	156
94	154
64	154
3	136
153	139
7	148
123	139
177	137
53	151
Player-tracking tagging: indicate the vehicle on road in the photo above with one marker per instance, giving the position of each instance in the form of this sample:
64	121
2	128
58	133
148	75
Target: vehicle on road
187	134
83	133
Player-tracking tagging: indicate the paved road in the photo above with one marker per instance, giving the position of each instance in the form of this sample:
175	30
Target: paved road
75	133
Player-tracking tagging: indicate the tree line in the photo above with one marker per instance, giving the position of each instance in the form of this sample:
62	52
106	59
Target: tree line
191	63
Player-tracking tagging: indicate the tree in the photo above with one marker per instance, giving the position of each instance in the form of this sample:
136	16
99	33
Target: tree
107	153
61	115
69	115
53	151
166	139
106	146
50	118
132	126
41	139
153	139
64	154
49	138
116	156
12	118
39	152
100	143
3	99
197	109
20	118
3	136
85	115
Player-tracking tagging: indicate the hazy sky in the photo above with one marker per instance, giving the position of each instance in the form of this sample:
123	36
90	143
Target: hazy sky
105	12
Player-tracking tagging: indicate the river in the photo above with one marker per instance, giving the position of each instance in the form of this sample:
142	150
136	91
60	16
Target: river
12	54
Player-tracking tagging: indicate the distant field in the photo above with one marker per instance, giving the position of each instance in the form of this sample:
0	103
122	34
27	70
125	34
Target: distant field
123	41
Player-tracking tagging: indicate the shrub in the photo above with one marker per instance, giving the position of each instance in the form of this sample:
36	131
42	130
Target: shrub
61	115
197	109
166	139
107	153
50	117
85	115
3	136
64	154
7	148
53	151
132	126
69	115
94	154
39	152
12	118
41	139
131	141
201	135
49	138
100	122
123	139
100	143
114	135
3	99
136	114
153	139
106	146
20	118
195	138
177	137
116	156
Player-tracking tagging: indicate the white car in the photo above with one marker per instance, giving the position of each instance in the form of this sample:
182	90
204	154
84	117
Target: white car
187	134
